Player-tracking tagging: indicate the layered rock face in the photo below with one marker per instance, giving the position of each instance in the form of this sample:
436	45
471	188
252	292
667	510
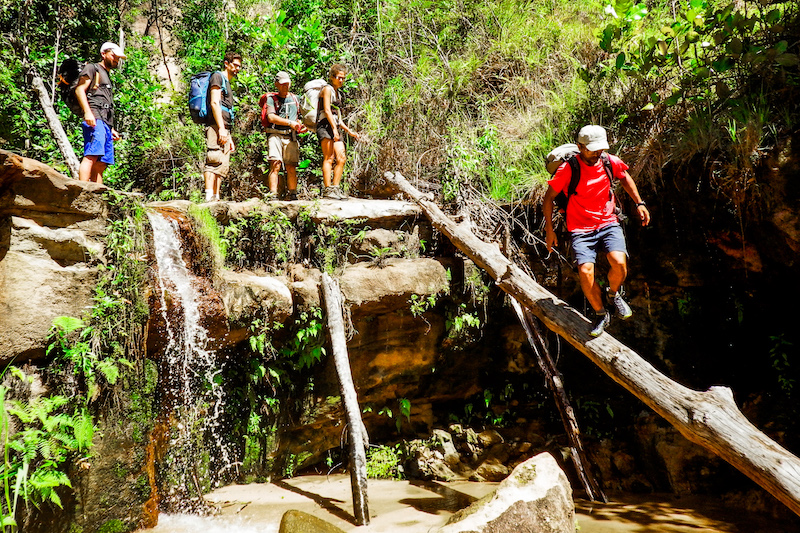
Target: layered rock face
51	231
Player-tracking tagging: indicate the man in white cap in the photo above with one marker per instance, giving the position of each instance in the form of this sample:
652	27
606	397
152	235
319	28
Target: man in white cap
592	220
95	95
282	120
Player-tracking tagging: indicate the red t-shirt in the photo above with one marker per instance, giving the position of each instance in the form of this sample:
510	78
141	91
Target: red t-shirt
591	207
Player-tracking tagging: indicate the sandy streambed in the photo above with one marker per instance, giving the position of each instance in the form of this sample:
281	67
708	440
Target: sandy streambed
422	506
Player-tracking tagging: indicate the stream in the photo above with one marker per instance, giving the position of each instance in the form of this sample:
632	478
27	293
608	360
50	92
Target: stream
421	506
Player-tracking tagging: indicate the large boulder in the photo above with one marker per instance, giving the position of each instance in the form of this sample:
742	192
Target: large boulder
247	296
300	522
51	241
535	498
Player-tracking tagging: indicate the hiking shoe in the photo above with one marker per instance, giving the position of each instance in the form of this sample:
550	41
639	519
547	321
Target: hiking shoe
291	196
621	307
340	194
601	321
330	193
270	196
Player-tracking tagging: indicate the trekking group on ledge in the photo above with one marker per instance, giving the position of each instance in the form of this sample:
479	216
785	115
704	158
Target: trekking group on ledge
581	183
211	103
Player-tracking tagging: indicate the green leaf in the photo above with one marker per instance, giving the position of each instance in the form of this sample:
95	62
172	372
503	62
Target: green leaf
787	60
68	324
620	60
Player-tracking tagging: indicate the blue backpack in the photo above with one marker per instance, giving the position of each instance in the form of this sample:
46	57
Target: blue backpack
199	107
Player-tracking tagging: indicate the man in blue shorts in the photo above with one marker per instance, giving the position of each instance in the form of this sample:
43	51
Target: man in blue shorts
593	223
95	94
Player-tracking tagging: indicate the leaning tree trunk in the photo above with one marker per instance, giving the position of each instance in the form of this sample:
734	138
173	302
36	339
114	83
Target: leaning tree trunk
55	123
358	437
708	418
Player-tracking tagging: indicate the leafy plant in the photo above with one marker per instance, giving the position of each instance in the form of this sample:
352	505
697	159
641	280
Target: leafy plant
384	462
779	355
46	437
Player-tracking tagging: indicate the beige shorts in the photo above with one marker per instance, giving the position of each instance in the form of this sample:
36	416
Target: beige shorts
218	158
283	148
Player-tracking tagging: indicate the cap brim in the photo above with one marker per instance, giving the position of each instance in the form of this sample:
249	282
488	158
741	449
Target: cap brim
593	147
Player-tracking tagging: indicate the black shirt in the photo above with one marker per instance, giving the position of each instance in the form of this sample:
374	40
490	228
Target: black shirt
99	93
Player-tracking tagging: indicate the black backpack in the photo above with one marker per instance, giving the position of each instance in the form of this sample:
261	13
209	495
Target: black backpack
68	75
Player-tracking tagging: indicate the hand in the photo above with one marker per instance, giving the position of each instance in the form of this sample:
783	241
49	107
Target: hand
89	119
336	137
299	127
551	240
222	136
644	214
355	135
115	136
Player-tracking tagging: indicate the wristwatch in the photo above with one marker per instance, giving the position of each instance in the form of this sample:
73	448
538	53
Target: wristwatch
639	204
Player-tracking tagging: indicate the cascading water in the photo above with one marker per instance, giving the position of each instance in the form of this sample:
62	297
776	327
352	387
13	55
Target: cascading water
190	372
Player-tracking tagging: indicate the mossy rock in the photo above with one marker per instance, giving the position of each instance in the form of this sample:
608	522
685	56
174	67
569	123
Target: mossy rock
300	522
114	526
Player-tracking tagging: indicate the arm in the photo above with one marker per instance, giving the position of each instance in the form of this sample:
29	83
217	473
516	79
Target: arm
83	100
223	137
273	117
547	210
630	187
350	132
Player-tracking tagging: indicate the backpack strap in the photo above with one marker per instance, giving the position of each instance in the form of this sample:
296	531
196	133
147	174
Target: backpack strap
575	178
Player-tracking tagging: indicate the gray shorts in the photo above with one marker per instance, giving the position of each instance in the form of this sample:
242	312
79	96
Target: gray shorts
606	239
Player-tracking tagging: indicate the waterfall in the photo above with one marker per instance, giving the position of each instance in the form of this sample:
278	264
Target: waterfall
189	372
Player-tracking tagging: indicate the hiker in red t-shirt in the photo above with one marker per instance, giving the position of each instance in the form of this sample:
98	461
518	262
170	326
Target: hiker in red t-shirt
593	223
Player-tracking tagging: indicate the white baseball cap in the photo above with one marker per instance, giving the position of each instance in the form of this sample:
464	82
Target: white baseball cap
282	77
114	48
593	138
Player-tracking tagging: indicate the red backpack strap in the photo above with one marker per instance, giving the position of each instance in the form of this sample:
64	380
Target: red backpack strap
263	101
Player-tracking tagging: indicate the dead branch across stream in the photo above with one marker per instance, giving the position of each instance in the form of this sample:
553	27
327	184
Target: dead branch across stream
708	418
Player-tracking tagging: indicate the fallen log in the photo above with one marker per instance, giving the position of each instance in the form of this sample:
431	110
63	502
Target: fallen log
352	412
708	418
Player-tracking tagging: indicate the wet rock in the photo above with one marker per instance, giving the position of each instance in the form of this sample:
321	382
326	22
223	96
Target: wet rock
300	522
535	498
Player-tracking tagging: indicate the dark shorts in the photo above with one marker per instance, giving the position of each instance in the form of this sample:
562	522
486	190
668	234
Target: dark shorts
97	141
607	239
325	130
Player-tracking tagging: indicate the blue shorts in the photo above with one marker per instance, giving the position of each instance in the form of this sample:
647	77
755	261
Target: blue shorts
98	141
608	239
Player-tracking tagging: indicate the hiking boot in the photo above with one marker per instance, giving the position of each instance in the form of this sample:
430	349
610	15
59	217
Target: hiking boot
330	193
621	307
341	195
601	321
291	196
270	196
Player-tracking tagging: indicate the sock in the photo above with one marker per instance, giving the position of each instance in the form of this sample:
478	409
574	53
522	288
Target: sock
209	195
